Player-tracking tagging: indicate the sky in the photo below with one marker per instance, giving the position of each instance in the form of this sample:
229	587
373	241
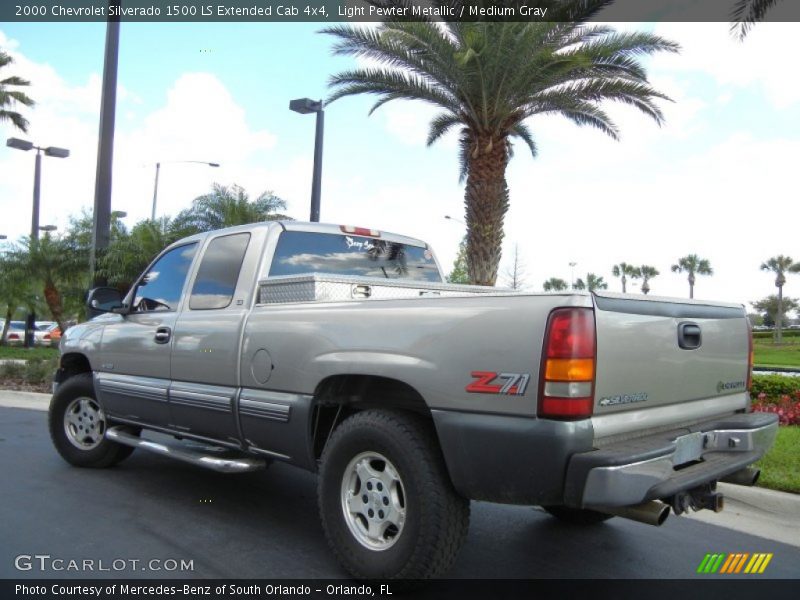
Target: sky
718	179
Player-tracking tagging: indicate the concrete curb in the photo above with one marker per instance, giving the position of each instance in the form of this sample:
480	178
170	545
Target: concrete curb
768	500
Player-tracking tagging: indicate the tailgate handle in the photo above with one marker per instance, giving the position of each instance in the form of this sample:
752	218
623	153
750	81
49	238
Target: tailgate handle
689	336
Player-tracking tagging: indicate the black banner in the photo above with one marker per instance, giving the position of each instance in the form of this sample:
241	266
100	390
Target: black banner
541	589
376	10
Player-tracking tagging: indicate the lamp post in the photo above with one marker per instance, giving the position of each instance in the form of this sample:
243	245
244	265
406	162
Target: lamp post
55	152
449	218
158	170
306	106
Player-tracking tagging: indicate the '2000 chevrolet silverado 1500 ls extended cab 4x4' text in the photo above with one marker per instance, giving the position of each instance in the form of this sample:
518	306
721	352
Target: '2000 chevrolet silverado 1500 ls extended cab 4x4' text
340	350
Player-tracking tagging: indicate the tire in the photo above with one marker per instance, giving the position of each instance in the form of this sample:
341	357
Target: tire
425	521
577	516
77	426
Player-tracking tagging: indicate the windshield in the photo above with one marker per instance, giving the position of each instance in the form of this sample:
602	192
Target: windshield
300	252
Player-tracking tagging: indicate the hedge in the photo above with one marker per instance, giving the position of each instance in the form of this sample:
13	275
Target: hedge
768	335
774	386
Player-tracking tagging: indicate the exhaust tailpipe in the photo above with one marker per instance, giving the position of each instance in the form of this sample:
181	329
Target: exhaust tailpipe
747	476
651	513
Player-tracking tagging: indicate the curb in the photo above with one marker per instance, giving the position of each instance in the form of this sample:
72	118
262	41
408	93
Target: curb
768	500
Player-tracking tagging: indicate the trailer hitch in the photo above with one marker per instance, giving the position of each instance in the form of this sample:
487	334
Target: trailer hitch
699	498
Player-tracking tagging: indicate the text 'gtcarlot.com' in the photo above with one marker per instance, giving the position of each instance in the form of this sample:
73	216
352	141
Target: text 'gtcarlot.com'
46	562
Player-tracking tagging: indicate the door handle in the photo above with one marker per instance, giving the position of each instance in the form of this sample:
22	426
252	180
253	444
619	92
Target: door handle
163	334
689	336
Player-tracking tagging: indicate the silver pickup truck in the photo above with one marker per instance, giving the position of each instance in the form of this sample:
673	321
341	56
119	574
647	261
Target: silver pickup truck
341	350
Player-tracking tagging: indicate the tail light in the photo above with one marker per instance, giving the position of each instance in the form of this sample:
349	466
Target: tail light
359	231
46	336
750	355
13	336
566	380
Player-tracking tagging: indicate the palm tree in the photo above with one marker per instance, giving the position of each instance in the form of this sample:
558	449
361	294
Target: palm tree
554	284
488	79
624	271
15	290
748	12
780	265
768	307
53	264
129	253
593	282
226	207
11	96
693	265
646	272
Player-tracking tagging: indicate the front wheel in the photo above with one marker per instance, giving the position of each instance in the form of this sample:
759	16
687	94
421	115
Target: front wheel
387	504
78	426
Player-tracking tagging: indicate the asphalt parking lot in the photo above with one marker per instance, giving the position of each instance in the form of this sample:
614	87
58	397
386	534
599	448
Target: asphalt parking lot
265	525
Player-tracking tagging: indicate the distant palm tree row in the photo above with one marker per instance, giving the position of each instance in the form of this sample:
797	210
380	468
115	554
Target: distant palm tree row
692	265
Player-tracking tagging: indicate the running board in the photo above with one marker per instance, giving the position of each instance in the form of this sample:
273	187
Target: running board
222	465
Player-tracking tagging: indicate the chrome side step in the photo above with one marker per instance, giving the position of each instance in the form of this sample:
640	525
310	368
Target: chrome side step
222	465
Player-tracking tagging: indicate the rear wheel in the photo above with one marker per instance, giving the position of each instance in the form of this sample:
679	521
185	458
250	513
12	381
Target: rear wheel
387	504
78	426
577	516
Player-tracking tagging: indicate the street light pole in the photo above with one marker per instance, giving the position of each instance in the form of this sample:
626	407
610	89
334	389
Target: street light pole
158	171
155	192
306	106
56	152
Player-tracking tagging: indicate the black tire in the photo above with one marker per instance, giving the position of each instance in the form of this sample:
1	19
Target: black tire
577	516
104	453
437	518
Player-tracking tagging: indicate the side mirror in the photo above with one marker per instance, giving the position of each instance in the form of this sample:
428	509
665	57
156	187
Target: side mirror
102	300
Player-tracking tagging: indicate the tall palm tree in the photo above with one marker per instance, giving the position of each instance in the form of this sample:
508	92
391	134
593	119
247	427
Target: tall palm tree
780	265
488	79
748	12
624	271
693	265
646	272
225	207
11	96
592	282
554	284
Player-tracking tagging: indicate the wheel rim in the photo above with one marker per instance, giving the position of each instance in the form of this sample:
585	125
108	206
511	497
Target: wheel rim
84	423
373	501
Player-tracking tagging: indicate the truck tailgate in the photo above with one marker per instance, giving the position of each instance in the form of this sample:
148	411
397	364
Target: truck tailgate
665	361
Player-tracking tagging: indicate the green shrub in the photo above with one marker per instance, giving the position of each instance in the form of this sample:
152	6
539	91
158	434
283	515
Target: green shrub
774	386
12	370
40	371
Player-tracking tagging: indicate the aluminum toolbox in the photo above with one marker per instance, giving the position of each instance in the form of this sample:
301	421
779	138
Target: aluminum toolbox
319	287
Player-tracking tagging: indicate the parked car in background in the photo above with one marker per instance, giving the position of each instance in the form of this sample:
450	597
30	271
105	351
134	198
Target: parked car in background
16	333
47	334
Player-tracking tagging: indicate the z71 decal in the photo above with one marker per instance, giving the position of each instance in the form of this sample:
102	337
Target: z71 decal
489	382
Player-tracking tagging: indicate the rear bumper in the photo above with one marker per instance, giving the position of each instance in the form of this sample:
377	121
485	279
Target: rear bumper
661	465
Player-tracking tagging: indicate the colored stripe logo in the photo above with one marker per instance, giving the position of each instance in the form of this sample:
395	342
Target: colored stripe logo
740	562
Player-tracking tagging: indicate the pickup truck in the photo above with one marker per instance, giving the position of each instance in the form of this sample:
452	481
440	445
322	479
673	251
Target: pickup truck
341	350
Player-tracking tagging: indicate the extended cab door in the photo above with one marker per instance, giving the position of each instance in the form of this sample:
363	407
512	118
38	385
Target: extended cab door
205	355
133	378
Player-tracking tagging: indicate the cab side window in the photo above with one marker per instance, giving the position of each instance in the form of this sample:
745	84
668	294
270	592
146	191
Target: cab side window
218	273
160	289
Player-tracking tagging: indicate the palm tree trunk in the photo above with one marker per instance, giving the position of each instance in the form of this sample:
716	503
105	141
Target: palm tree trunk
486	200
623	284
6	324
691	285
779	317
53	299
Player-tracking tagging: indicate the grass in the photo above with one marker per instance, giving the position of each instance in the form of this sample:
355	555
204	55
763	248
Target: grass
780	468
768	354
27	353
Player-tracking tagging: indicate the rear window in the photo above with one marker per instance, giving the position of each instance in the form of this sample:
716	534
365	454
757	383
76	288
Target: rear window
301	252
